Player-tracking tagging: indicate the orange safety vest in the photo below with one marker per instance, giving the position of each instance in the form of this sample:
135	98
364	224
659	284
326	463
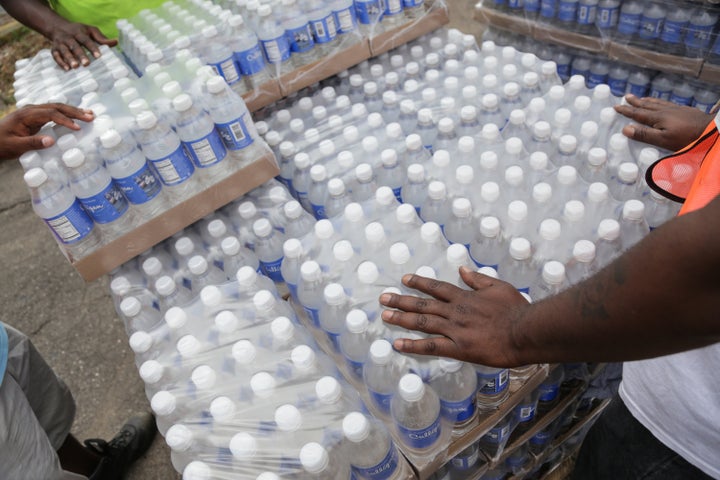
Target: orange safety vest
691	175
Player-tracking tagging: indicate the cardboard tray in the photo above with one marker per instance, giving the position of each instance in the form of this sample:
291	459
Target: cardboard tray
433	19
710	73
122	249
512	23
655	60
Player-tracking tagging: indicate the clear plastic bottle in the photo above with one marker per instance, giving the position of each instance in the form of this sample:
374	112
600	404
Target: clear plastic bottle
609	244
493	386
301	178
456	385
626	185
247	52
414	189
698	31
659	209
232	121
373	448
310	290
268	248
633	225
461	228
583	263
552	280
517	268
274	41
416	413
198	134
381	375
332	314
98	194
355	341
437	207
62	213
318	463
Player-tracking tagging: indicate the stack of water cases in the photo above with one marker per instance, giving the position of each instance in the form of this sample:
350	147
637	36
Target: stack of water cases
249	42
386	178
155	142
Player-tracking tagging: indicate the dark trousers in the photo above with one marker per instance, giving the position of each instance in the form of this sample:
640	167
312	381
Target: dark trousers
618	447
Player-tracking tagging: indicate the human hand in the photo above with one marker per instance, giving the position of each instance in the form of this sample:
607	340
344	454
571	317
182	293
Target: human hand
68	40
475	325
18	129
662	123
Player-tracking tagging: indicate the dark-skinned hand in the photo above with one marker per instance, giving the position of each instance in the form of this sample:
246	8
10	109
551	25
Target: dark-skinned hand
70	41
662	123
18	130
475	325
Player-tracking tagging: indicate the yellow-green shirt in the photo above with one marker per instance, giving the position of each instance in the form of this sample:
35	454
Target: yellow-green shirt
101	13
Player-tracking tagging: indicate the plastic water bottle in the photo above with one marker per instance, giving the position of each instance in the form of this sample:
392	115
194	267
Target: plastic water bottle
198	133
203	274
345	18
552	280
414	189
247	52
517	268
98	194
609	244
633	226
625	186
170	295
456	384
416	413
235	256
492	386
268	248
273	40
583	263
310	290
323	26
374	450
659	209
219	55
489	247
232	120
698	31
651	23
437	206
355	341
391	174
608	14
638	83
62	213
165	152
129	169
332	314
381	374
318	463
461	228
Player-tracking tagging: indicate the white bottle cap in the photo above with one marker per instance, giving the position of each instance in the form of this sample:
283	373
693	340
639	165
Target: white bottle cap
163	403
563	116
415	173
399	253
490	101
197	265
197	470
152	266
589	129
530	80
490	133
367	273
550	229
393	130
574	211
370	88
584	251
384	196
405	214
356	427
319	113
424	115
413	142
66	142
356	321
354	212
411	387
310	271
287	417
582	103
179	438
468	113
165	286
318	173
407	106
488	160
359	110
490	226
370	144
389	157
568	144
520	248
230	246
628	172
437	190
130	306
557	92
303	357
334	294
457	255
211	296
517	117
517	210
513	146
324	229
140	342
462	208
342	251
633	210
120	286
430	232
488	271
567	175
346	159
441	158
375	233
273	138
446	125
553	272
537	106
267	476
356	80
381	352
597	156
282	329
608	229
514	175
203	377
264	301
426	271
73	158
328	390
146	120
598	192
292	248
262	228
182	102
262	384
539	161
490	192
243	446
364	172
314	458
244	352
188	346
647	157
129	94
175	318
450	365
618	142
511	89
464	174
489	81
215	84
471	74
246	276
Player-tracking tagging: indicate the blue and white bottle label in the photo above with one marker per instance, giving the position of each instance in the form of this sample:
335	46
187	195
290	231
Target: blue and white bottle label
227	70
334	340
420	438
595	79
680	99
393	7
516	4
493	383
277	50
532	6
106	206
313	314
300	39
524	290
250	61
324	30
703	107
356	368
383	470
381	400
698	36
72	225
318	211
567	11
412	3
465	462
672	32
235	134
369	11
398	194
607	17
497	435
293	289
207	151
175	168
650	28
628	23
586	14
663	94
543	437
140	187
458	411
548	392
617	86
563	71
272	269
345	20
548	8
525	413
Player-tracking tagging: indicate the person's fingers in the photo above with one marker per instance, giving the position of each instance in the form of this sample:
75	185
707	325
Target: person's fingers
475	280
645	134
59	59
639	114
98	37
410	303
16	146
67	56
436	346
73	112
78	51
90	44
422	322
435	288
648	103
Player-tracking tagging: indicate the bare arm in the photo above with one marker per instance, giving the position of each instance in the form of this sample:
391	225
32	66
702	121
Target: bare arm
69	39
661	297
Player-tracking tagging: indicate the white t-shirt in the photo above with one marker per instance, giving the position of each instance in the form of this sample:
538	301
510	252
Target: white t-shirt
677	398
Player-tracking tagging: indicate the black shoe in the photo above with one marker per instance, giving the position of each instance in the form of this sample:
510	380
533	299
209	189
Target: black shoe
133	439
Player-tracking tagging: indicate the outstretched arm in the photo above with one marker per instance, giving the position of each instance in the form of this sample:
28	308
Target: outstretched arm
662	123
18	130
69	39
660	297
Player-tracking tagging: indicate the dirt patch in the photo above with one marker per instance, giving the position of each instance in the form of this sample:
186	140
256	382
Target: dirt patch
21	43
